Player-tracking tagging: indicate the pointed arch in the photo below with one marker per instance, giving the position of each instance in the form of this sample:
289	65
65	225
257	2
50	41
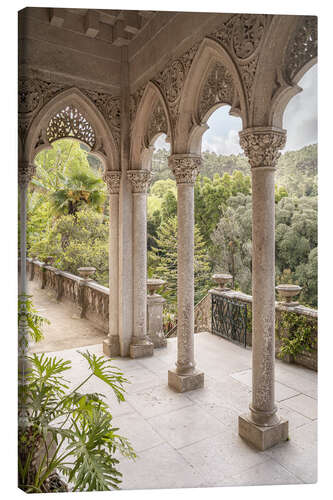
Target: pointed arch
72	114
210	63
152	119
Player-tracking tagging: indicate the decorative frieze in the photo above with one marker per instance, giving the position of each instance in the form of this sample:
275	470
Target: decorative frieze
26	171
158	124
262	145
69	122
218	89
185	167
112	179
302	47
34	93
140	180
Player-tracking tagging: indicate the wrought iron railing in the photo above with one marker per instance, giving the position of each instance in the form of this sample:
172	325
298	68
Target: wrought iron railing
229	319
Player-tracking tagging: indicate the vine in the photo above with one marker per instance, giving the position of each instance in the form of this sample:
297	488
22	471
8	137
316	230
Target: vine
297	334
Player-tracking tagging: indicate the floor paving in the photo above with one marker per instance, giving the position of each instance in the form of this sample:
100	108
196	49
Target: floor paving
191	439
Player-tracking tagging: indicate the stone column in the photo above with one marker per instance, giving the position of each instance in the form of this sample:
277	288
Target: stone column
25	174
140	344
262	426
185	377
111	346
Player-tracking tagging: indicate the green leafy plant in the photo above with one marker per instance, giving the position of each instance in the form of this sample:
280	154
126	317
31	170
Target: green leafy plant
30	320
66	431
297	334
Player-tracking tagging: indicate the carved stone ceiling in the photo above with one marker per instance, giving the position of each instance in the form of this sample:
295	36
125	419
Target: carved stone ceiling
118	27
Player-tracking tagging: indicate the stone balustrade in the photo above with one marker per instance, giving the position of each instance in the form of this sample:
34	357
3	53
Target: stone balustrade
305	358
91	299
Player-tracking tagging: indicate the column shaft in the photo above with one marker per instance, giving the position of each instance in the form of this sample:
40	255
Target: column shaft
140	344
185	377
185	284
111	345
262	427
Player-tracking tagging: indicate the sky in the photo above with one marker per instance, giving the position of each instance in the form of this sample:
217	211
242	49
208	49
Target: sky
300	121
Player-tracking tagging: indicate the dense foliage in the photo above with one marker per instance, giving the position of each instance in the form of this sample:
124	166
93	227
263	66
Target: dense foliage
222	218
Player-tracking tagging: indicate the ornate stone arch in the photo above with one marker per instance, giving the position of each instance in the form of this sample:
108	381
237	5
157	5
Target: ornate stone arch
151	119
290	50
213	80
71	114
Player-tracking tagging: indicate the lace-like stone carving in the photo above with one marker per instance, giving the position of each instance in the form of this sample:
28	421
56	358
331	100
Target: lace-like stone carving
185	167
302	47
247	33
35	93
261	145
112	180
69	122
140	180
218	89
158	124
26	171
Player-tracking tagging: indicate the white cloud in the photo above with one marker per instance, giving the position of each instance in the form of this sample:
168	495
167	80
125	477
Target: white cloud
222	144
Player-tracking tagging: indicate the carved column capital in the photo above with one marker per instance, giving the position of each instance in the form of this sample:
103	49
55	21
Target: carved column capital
140	180
262	145
26	171
185	167
112	180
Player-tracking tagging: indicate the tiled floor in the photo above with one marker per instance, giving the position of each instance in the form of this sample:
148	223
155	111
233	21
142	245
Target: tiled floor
191	439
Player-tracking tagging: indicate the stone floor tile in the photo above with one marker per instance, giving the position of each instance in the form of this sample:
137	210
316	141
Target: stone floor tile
157	401
299	460
306	434
303	404
282	391
138	431
186	426
221	456
141	378
266	473
159	467
294	418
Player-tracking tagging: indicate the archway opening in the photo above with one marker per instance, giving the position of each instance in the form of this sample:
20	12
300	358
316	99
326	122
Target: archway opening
296	215
68	209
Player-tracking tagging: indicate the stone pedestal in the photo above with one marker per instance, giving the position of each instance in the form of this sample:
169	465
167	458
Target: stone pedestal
185	377
140	345
111	345
262	427
262	437
155	304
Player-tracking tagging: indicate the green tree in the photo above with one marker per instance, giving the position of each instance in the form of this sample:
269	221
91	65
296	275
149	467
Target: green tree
163	260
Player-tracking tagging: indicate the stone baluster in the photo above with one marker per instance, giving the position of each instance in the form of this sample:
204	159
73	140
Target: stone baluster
155	305
262	427
85	273
60	285
185	377
140	344
111	345
25	173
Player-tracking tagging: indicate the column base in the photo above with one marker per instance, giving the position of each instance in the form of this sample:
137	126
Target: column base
184	383
262	437
111	347
141	350
158	341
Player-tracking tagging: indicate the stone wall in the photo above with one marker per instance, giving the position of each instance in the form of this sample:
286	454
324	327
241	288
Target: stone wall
203	311
91	299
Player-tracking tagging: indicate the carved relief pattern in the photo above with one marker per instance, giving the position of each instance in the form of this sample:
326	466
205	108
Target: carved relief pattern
158	124
262	146
140	180
109	106
302	47
218	89
185	168
247	33
241	36
26	171
35	93
112	179
69	122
